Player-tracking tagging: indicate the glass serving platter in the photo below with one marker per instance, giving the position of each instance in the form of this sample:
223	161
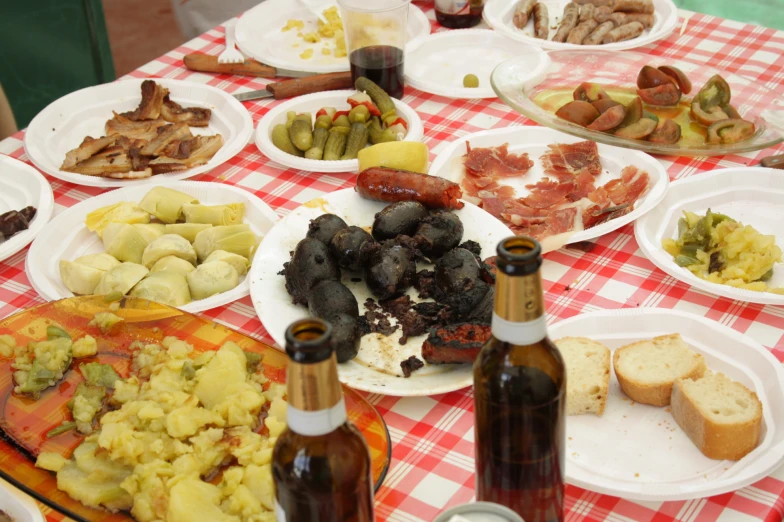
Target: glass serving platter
24	422
538	93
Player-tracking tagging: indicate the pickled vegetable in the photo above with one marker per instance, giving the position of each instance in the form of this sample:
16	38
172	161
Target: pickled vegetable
186	230
357	139
169	288
280	138
376	93
320	136
216	215
124	212
377	134
212	278
342	121
359	114
301	132
470	81
168	245
123	242
165	203
336	144
97	374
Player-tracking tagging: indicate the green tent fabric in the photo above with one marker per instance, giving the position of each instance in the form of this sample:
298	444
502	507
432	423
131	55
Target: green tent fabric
51	48
767	13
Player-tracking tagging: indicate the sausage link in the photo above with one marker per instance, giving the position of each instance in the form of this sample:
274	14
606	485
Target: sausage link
634	6
541	21
598	34
587	12
602	14
625	18
392	185
523	13
597	3
624	32
568	22
579	33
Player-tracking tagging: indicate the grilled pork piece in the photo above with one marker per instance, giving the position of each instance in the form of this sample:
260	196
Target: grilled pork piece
152	101
455	343
410	365
166	135
111	160
143	130
88	148
176	113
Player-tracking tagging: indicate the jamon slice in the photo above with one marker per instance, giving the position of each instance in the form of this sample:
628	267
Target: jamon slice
176	113
89	147
111	160
495	162
152	101
144	130
567	161
548	193
632	184
166	135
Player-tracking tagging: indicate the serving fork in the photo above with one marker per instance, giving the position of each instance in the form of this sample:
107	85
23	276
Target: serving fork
231	54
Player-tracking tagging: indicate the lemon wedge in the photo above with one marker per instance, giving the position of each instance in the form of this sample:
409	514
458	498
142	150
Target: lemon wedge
402	155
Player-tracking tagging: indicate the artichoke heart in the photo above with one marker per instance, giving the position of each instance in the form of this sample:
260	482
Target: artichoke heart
168	245
217	215
121	279
174	265
236	239
150	232
164	287
80	279
165	203
239	263
123	212
187	230
124	242
102	261
212	278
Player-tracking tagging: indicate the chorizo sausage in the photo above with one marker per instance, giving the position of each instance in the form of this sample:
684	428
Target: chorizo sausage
598	34
587	12
523	13
579	33
392	185
602	14
571	14
597	3
634	6
624	32
541	21
624	18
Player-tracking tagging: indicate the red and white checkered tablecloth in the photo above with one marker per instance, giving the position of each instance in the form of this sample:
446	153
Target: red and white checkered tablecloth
432	462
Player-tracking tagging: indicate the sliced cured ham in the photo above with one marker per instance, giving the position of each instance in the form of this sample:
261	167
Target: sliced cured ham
567	161
495	162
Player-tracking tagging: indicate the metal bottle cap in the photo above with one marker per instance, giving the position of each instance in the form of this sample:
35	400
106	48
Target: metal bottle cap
479	512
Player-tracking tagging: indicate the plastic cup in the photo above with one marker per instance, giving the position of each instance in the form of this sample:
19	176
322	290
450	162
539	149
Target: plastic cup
376	35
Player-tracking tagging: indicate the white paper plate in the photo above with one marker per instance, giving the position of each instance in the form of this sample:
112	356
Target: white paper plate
260	36
67	237
534	141
64	123
18	505
440	61
274	307
21	186
498	15
312	103
751	195
638	452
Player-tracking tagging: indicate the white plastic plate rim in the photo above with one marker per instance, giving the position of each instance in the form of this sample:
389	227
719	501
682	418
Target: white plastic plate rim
272	15
722	346
498	15
59	239
473	39
523	138
712	189
21	186
312	103
275	309
18	505
61	122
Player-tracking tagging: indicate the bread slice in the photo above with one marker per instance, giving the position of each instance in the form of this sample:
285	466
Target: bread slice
646	370
722	417
587	374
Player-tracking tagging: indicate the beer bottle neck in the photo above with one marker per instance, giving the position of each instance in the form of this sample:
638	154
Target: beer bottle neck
315	398
518	313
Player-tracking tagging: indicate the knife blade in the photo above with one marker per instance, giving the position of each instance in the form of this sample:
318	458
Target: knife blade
206	63
773	162
300	86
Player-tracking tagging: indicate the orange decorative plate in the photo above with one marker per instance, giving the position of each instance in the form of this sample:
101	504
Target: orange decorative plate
24	421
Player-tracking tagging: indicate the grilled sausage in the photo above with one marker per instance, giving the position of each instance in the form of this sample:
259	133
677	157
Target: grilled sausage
624	32
569	20
541	21
602	14
579	33
392	185
634	6
456	343
586	12
523	13
597	3
598	34
625	18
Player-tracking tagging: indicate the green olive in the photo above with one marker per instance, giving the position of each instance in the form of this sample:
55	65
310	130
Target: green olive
470	80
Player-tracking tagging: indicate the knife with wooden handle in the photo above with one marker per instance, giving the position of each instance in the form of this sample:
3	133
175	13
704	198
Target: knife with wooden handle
773	162
300	86
206	63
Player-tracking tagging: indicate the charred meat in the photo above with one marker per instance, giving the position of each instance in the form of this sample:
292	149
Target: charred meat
456	343
398	219
13	222
411	365
324	227
438	233
457	271
152	101
176	113
310	264
350	247
390	269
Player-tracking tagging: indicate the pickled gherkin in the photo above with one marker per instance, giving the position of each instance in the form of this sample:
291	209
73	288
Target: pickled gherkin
280	138
342	121
357	139
377	134
360	114
301	132
376	93
320	136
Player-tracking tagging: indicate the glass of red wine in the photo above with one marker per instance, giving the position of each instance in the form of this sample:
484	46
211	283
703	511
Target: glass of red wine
376	34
